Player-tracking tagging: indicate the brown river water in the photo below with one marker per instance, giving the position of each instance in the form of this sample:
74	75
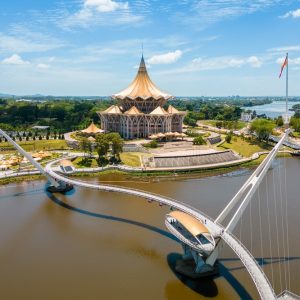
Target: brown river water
91	245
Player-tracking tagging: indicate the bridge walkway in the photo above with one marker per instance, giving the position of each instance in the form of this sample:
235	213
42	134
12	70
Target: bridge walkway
259	278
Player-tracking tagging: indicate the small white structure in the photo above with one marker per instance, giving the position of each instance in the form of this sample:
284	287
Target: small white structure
246	117
66	166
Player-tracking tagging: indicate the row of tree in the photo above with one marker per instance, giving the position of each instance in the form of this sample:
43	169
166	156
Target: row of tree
211	111
64	115
108	146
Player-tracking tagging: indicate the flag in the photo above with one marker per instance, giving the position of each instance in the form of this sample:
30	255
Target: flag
285	63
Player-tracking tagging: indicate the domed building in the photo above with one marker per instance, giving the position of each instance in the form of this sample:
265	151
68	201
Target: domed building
139	112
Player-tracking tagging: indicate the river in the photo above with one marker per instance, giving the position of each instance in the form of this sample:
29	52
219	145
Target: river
99	245
272	110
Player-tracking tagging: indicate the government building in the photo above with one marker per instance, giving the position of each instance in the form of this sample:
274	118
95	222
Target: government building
139	112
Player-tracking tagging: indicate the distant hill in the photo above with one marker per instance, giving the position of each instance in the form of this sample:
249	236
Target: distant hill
6	95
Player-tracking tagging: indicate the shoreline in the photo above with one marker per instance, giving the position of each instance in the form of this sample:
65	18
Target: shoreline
160	175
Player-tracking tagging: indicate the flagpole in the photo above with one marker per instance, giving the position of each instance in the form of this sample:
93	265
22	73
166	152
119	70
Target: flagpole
287	88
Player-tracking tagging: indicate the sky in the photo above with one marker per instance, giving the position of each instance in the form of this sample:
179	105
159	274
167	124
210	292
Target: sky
191	47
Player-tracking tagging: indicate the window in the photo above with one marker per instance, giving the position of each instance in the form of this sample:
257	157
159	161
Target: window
204	240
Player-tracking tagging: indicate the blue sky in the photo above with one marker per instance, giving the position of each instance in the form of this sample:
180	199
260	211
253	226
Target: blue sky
192	47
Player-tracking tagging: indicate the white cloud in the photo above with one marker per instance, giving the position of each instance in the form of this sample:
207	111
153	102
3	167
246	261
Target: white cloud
105	5
254	61
292	61
99	12
292	13
21	40
15	59
206	12
219	63
285	49
167	58
43	66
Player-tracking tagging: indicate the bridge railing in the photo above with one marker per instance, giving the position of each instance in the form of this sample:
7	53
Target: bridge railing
151	195
247	264
260	279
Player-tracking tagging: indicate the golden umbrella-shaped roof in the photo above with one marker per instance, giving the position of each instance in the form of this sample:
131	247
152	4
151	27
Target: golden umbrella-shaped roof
153	136
142	87
160	135
92	129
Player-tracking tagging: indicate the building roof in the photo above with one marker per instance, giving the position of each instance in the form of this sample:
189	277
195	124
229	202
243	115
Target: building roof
159	111
172	110
91	139
92	129
41	154
142	87
193	225
66	163
114	109
133	111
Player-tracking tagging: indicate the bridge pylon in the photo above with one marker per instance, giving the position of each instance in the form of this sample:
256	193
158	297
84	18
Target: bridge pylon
55	185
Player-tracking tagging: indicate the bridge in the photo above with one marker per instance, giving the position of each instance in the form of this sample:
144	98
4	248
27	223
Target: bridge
222	234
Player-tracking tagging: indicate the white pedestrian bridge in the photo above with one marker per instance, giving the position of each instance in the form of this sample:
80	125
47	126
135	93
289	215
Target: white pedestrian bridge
220	233
261	281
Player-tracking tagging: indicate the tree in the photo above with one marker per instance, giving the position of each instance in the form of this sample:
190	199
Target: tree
102	147
295	123
219	124
153	144
86	146
228	137
279	121
263	128
116	144
199	140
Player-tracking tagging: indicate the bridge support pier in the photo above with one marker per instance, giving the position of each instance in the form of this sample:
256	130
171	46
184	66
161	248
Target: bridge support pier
194	265
62	187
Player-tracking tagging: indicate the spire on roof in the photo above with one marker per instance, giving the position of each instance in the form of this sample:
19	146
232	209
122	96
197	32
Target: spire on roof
142	67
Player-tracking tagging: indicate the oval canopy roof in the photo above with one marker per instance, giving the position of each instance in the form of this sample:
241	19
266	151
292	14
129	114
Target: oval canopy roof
142	87
193	225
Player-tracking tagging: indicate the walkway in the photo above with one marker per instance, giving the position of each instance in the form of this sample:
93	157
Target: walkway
262	283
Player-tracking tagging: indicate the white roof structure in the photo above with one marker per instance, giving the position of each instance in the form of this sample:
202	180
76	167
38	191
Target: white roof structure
92	129
114	109
133	111
159	111
142	87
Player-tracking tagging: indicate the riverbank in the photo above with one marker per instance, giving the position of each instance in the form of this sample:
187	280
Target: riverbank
153	175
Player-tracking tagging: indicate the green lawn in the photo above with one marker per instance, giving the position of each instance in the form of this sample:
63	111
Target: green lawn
128	158
38	145
240	124
243	147
296	134
132	159
81	162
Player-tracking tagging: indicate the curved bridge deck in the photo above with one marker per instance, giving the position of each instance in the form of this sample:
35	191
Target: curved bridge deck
261	281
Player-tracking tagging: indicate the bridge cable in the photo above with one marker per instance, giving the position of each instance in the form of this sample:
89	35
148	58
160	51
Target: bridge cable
282	222
269	228
241	227
260	227
285	215
287	226
251	227
276	227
